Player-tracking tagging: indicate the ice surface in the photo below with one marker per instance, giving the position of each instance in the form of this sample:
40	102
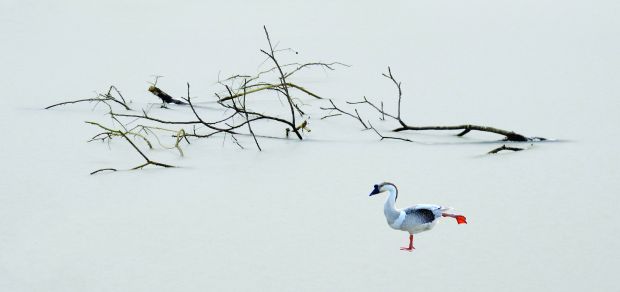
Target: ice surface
297	216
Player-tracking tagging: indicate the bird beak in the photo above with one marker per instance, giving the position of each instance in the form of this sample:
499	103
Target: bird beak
374	191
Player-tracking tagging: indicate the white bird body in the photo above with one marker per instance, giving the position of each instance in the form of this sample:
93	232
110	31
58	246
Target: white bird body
414	219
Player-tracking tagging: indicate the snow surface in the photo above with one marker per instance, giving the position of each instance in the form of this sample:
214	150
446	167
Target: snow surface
297	216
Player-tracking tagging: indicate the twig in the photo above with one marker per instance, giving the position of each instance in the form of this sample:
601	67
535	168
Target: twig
272	86
330	116
400	91
247	117
283	82
123	134
504	147
335	108
380	110
100	98
179	136
388	137
103	169
289	74
259	116
209	125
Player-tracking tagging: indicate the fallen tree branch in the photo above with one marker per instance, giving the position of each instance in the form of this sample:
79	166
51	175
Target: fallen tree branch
509	135
143	126
465	128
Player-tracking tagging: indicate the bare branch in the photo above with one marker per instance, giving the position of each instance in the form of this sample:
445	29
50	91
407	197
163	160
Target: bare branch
466	128
100	98
388	137
282	81
335	108
103	169
504	147
272	86
400	92
123	134
247	117
380	110
509	135
330	116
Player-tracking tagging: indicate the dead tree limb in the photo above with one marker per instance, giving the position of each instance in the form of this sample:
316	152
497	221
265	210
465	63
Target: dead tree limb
509	135
465	128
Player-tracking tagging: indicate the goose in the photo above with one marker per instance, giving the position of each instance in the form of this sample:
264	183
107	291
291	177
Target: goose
414	219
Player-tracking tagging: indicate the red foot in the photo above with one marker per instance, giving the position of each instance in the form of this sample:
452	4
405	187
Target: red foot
410	248
460	219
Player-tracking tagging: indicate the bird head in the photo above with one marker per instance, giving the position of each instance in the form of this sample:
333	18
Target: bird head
376	189
384	187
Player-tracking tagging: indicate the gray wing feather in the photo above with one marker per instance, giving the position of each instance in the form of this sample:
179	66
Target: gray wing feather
421	215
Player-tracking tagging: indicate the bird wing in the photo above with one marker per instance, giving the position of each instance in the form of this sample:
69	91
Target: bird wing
420	215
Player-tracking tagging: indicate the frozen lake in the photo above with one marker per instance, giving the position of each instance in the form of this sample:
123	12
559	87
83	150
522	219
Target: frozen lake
297	215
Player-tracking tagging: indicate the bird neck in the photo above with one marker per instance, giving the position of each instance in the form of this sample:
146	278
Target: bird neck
389	209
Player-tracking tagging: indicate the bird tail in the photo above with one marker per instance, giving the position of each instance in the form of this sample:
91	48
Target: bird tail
446	209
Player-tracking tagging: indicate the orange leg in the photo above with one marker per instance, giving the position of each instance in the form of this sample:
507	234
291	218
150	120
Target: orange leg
460	219
410	248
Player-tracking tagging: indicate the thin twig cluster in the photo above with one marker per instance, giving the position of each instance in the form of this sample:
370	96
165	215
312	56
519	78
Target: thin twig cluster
239	118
